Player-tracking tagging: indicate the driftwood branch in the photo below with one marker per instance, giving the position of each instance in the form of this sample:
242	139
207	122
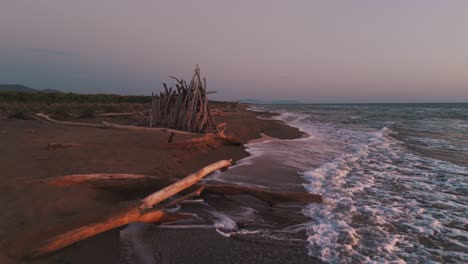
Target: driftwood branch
138	182
181	199
123	218
106	125
212	139
47	118
163	194
132	214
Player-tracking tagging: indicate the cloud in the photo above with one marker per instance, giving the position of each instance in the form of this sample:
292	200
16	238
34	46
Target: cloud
53	52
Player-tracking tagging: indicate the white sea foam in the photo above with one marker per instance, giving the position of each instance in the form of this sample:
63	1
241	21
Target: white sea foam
383	203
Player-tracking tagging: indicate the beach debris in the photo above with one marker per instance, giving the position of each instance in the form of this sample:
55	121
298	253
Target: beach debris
139	182
219	137
54	146
184	107
142	212
32	131
107	125
212	139
118	114
163	194
124	217
181	199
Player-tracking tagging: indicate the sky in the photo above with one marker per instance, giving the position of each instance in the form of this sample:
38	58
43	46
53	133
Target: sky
313	51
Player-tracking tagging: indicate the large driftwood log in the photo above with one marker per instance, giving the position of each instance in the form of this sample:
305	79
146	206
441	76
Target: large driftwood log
106	125
132	214
163	194
123	218
138	182
47	118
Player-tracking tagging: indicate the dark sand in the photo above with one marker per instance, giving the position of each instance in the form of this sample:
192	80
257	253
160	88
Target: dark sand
32	212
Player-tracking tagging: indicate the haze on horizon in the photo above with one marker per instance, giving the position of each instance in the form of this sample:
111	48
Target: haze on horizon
313	51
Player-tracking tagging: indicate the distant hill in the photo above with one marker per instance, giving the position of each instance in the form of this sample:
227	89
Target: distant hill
256	101
50	91
22	88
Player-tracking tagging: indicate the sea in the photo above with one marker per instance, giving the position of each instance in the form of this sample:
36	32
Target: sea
394	178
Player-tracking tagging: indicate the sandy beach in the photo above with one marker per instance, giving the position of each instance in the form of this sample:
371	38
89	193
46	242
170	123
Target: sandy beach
33	211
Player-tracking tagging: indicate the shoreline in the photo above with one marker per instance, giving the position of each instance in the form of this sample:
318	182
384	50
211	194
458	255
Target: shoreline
89	204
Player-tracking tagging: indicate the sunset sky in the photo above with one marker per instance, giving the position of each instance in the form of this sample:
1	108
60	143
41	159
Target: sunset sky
313	51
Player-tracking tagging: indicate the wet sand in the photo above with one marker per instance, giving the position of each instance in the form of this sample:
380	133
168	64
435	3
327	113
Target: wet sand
32	212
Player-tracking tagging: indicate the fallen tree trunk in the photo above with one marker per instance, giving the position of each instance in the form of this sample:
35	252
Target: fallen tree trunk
163	194
138	182
106	125
132	214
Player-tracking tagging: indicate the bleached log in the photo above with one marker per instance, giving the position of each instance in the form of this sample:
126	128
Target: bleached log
47	118
125	217
138	182
163	194
153	129
132	214
106	125
181	199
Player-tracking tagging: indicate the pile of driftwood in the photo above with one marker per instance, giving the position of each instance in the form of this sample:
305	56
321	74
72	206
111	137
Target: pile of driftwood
184	108
150	209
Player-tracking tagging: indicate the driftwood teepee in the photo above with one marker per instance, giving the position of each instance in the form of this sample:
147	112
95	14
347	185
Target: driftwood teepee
184	108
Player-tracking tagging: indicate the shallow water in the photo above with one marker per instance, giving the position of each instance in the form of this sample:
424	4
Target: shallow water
394	178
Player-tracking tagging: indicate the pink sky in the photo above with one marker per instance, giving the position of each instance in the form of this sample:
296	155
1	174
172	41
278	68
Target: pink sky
314	51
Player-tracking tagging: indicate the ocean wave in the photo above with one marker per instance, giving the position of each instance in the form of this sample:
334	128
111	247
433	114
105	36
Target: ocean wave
383	202
366	215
